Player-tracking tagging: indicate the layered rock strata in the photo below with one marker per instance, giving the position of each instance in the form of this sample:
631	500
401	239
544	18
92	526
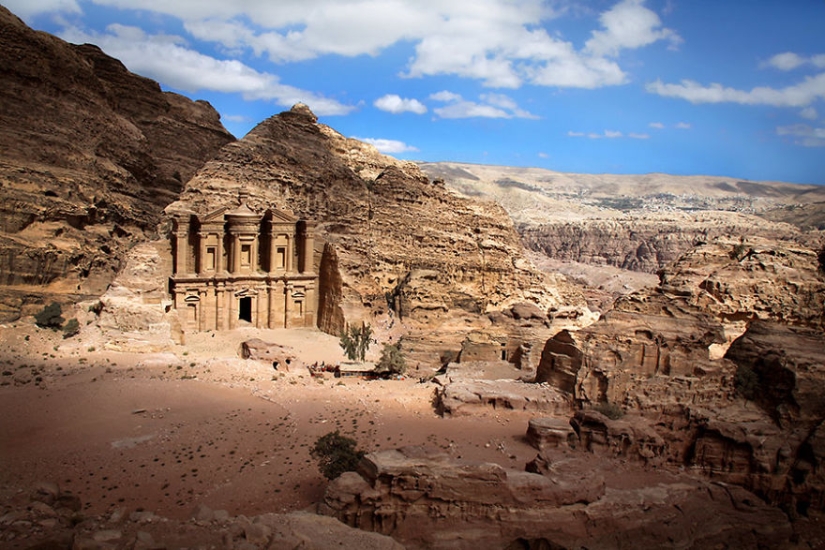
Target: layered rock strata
425	499
749	412
91	154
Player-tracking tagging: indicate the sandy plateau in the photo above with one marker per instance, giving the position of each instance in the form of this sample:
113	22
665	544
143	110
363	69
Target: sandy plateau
167	432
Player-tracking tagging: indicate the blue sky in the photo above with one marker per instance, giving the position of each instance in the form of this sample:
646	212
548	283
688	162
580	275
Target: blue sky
731	88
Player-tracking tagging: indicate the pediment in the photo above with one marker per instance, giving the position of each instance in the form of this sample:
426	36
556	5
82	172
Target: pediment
281	216
215	216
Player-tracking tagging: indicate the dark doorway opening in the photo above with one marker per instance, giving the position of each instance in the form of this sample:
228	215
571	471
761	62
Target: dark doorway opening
245	309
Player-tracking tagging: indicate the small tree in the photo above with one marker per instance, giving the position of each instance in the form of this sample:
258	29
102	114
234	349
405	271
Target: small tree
355	341
336	454
50	317
392	361
71	328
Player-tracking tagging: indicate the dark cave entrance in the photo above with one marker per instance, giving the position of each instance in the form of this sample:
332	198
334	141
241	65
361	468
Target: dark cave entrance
245	309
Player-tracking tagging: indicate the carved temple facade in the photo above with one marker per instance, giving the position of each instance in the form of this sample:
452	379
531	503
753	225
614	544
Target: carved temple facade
236	267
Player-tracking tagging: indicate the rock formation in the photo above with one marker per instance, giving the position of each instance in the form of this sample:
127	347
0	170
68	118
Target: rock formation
394	248
748	412
91	154
635	222
49	517
424	499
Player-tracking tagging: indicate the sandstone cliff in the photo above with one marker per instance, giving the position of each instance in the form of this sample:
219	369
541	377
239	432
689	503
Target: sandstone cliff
91	154
638	223
402	253
748	412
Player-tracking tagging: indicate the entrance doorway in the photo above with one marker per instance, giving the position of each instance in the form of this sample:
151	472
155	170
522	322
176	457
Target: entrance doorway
245	309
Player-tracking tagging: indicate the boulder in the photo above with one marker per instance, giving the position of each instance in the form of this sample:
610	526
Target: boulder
281	357
549	432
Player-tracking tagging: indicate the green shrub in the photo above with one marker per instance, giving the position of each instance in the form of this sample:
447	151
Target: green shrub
50	317
335	454
392	361
355	341
71	328
610	410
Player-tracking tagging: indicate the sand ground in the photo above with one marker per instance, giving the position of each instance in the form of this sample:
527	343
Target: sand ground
166	432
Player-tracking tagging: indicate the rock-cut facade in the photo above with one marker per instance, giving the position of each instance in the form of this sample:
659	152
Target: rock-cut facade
235	267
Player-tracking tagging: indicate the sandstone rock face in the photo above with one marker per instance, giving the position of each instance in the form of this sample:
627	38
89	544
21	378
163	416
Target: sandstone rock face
636	222
399	249
91	154
51	518
749	279
424	499
464	397
642	243
667	354
649	352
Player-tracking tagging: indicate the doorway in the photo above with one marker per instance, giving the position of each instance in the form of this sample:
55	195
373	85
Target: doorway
245	309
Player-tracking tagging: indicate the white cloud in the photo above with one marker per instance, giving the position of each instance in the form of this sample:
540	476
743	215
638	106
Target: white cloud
491	106
808	135
388	146
543	155
608	134
798	95
628	25
682	126
638	136
657	125
785	61
809	113
788	61
26	9
167	59
395	104
502	43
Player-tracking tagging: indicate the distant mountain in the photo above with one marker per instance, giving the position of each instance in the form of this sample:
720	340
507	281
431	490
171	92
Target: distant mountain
636	222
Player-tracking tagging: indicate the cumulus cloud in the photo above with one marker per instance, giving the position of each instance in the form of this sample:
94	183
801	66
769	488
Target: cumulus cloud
798	95
638	136
805	135
167	59
490	106
809	113
657	125
395	104
26	9
628	25
502	43
388	146
682	126
788	61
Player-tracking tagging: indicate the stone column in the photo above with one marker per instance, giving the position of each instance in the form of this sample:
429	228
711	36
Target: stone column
287	298
309	248
236	254
290	243
220	306
219	267
202	310
233	310
272	252
181	246
200	260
